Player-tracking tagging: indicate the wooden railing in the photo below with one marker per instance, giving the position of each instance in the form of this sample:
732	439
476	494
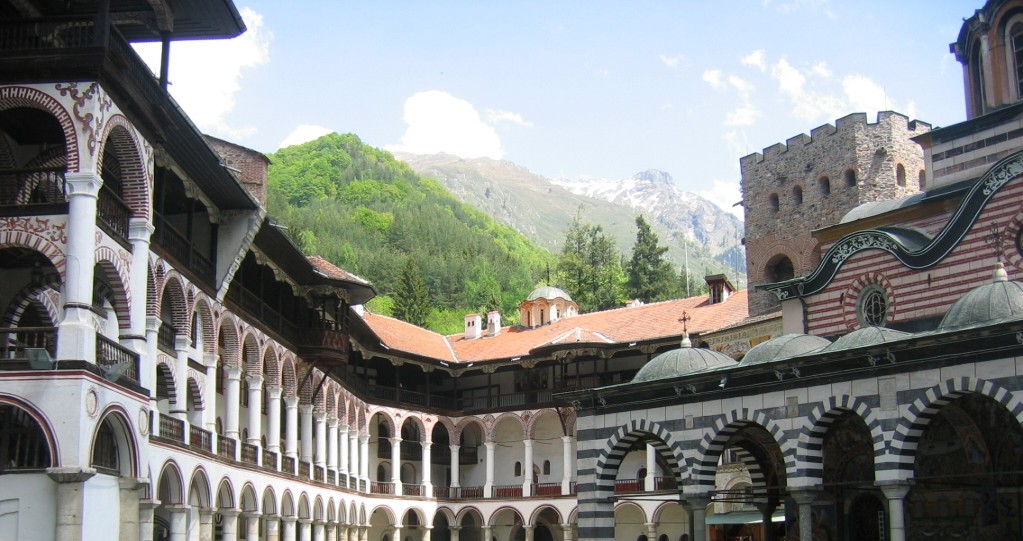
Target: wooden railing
197	437
318	473
250	453
546	489
226	447
409	489
117	358
665	483
331	477
112	212
288	464
171	428
625	486
377	487
303	469
269	460
31	188
168	238
15	340
165	337
467	493
508	491
252	303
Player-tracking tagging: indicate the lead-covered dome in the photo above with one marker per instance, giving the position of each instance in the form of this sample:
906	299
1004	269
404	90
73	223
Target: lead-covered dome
549	293
998	300
681	362
865	337
783	347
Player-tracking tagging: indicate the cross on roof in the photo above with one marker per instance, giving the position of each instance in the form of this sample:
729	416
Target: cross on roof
684	320
996	238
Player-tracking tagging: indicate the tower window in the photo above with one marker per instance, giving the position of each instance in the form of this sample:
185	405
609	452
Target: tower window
872	308
797	195
923	179
1016	37
824	184
850	178
900	175
774	202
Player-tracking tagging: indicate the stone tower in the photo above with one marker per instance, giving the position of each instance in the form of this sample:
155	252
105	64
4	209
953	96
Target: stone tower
811	182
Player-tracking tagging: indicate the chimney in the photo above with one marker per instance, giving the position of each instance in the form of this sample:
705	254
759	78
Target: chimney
472	326
633	303
246	165
493	323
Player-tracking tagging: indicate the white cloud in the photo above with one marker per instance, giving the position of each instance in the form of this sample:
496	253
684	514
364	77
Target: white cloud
757	59
714	78
725	194
744	87
790	80
671	62
497	115
205	75
864	94
304	133
439	122
745	115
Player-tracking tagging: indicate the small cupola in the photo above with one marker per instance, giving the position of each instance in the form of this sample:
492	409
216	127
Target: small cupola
472	326
493	323
720	288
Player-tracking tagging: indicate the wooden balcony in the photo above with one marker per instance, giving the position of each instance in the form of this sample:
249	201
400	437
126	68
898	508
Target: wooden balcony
32	192
113	214
324	344
14	341
199	438
117	359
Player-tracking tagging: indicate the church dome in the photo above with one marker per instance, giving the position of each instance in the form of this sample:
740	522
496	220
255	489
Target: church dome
783	347
681	362
549	293
998	300
865	337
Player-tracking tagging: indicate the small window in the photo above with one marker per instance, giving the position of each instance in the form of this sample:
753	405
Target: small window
518	469
546	467
797	195
872	308
850	178
104	451
900	175
923	179
824	185
1016	34
774	202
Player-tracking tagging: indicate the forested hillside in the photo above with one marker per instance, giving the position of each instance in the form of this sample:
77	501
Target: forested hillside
372	215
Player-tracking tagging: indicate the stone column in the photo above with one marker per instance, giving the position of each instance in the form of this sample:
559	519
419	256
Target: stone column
291	426
149	370
76	336
70	501
305	413
396	533
342	532
364	462
319	530
147	509
527	470
651	468
427	473
766	516
252	524
427	530
288	528
273	418
896	494
331	531
453	530
363	533
210	360
255	410
178	521
206	524
651	531
567	465
129	507
273	527
320	420
485	531
232	394
804	499
304	529
139	232
488	488
342	448
699	502
455	463
181	405
567	532
396	464
353	458
332	444
529	528
229	524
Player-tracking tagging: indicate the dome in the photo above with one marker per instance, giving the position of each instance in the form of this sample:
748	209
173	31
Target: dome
783	347
681	362
1001	299
867	336
549	293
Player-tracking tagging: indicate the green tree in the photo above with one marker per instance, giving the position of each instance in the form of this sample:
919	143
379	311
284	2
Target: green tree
411	296
589	268
651	277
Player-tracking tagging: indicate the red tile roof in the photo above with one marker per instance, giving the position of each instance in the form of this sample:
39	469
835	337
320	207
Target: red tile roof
619	326
333	271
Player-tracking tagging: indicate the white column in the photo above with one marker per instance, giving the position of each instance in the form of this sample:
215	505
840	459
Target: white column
305	413
209	417
364	457
332	444
651	467
255	409
291	426
528	529
896	494
342	447
651	530
252	525
76	337
304	529
273	527
232	390
229	524
319	531
149	371
699	506
353	457
70	502
568	534
321	439
273	414
488	488
396	464
567	465
181	404
803	499
147	512
427	463
527	469
454	467
139	232
288	529
178	521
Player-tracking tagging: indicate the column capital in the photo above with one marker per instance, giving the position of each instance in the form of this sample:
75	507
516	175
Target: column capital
364	438
181	342
320	416
85	183
274	392
153	323
149	504
697	498
305	409
178	507
139	229
291	402
210	359
233	373
804	496
895	489
251	514
254	381
233	512
289	520
71	475
332	421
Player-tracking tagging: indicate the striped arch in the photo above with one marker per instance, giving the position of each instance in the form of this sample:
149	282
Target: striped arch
704	467
352	417
534	518
920	413
456	433
44	242
165	368
609	458
415	420
252	362
809	457
114	273
447	425
41	420
173	295
392	425
534	420
271	366
135	176
44	298
152	300
851	298
329	394
288	380
504	508
199	402
228	346
21	96
492	430
201	308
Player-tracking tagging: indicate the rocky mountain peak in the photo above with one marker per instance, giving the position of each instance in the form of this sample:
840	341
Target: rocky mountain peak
655	176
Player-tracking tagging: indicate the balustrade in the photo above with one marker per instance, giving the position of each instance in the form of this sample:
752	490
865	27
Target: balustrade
24	189
200	438
113	213
172	429
249	453
508	491
15	340
117	358
624	486
226	447
378	487
288	464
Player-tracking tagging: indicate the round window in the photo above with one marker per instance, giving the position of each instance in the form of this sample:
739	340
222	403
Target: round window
873	306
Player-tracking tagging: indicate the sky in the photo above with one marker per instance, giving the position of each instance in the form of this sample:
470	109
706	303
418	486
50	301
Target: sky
572	89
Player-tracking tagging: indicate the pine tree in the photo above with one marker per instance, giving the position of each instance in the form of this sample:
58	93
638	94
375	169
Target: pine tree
589	268
651	277
411	296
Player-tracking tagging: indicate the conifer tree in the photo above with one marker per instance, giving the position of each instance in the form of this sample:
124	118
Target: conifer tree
651	277
411	296
589	268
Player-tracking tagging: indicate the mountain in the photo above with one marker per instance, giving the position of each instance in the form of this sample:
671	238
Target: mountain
542	209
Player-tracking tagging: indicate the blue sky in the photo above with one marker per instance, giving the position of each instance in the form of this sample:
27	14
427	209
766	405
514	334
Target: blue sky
573	89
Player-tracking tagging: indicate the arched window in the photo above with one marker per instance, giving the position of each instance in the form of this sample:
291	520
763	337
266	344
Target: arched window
797	195
1016	44
923	179
978	93
850	178
824	185
779	268
546	467
518	469
23	445
900	175
774	202
872	306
